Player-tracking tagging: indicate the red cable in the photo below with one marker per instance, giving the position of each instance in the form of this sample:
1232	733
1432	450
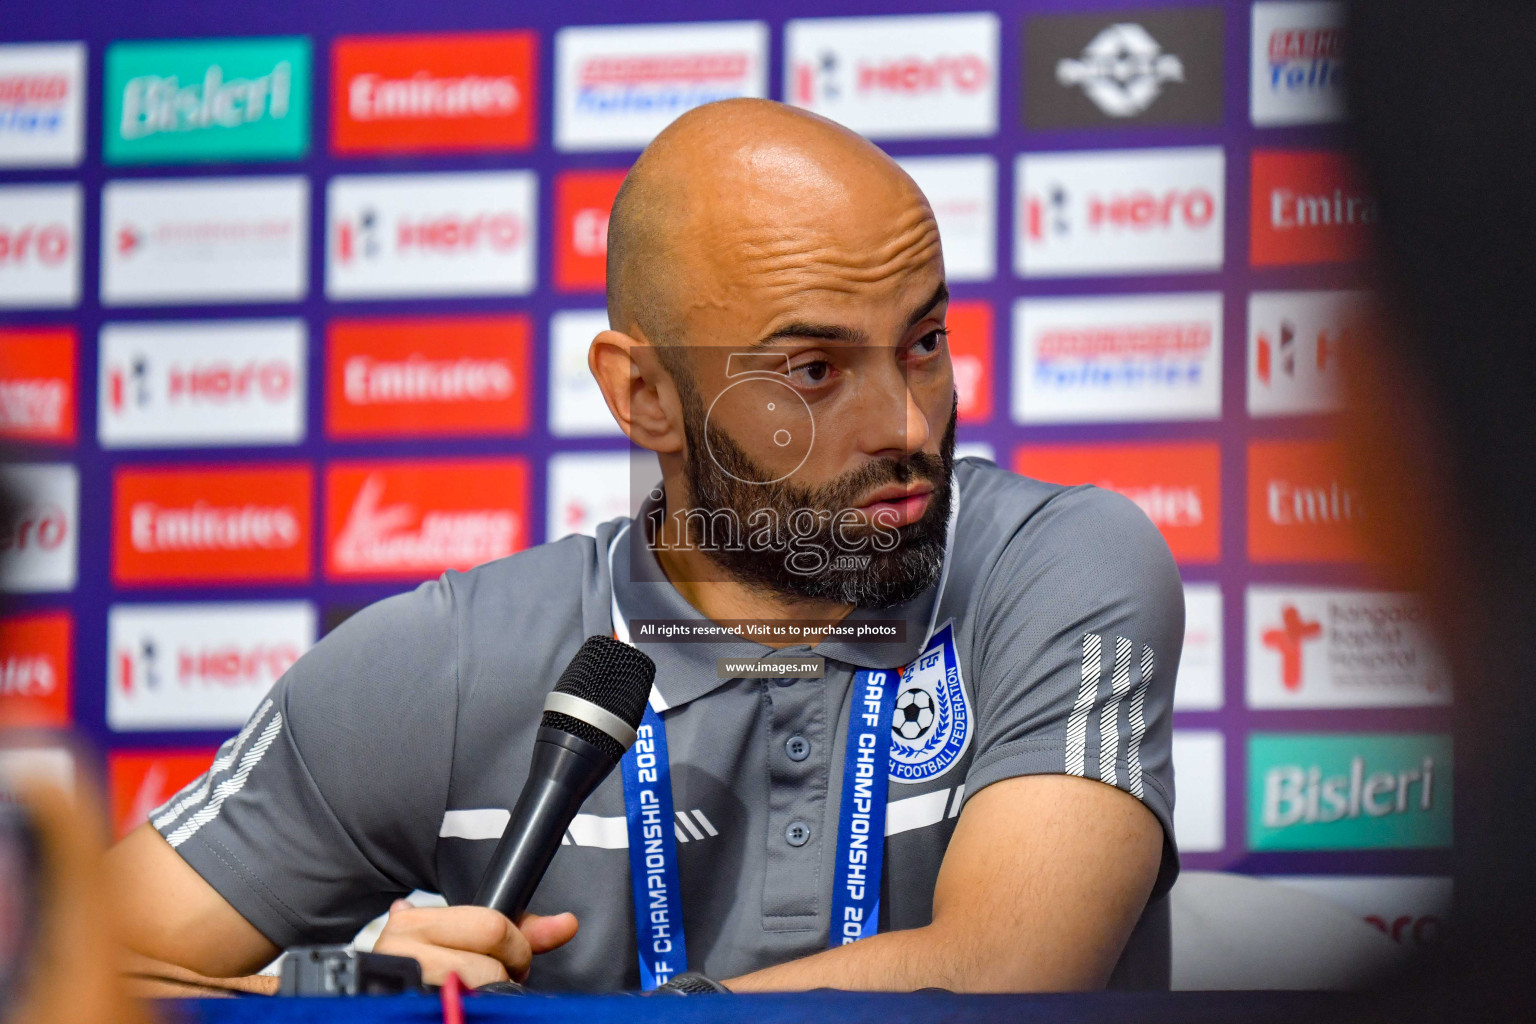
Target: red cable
452	994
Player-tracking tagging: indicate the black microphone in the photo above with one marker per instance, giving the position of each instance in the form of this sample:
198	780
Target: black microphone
589	721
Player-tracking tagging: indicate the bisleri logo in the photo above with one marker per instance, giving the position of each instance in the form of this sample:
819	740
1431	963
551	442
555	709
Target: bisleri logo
1348	791
207	99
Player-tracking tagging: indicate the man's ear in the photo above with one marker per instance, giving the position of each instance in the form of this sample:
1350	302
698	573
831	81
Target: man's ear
638	390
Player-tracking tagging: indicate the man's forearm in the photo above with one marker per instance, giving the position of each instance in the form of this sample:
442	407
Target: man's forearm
901	961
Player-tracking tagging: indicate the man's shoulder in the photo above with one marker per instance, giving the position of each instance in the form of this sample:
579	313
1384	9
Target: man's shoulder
999	508
547	579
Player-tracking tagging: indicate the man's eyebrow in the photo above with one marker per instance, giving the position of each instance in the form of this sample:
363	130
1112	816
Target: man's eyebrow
847	335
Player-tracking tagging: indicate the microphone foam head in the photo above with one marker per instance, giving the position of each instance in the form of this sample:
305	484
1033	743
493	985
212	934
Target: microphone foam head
614	676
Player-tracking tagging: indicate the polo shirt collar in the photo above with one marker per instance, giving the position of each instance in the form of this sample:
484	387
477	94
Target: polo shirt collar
687	671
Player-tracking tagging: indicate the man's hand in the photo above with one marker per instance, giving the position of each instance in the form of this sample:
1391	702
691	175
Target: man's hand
478	944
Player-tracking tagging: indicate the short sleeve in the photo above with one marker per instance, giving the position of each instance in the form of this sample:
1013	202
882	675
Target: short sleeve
1080	625
327	804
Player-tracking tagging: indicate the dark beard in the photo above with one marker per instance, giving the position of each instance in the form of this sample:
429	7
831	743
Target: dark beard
883	579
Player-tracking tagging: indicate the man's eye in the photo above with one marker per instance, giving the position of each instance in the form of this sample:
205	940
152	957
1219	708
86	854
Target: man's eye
929	343
814	372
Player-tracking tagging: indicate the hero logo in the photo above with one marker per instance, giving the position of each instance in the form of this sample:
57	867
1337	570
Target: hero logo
897	77
199	666
39	245
141	781
1122	70
1297	74
1120	212
38	541
1295	343
616	87
1115	358
414	520
1317	648
42	90
201	383
431	234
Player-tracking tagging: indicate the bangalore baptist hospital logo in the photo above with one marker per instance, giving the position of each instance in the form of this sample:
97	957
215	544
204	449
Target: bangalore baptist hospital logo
931	726
1122	70
1287	639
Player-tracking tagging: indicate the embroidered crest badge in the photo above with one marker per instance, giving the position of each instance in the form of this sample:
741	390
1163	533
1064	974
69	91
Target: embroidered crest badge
932	726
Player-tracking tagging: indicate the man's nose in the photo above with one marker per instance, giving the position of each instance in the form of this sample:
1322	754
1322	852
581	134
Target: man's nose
893	424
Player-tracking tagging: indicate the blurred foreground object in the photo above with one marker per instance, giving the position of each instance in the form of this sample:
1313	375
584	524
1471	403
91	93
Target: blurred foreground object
1445	433
72	971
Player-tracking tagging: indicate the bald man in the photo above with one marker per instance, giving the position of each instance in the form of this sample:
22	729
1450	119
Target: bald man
974	666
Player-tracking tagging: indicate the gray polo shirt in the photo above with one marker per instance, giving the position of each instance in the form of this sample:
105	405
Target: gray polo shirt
386	759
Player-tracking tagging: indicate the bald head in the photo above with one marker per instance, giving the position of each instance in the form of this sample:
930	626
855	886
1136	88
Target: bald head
734	197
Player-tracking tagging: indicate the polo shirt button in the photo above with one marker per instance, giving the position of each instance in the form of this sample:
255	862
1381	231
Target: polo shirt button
798	833
798	748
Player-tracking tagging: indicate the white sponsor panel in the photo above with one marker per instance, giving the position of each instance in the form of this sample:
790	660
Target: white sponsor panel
25	766
199	666
398	235
1316	647
40	238
1295	343
42	104
617	86
38	547
962	190
1298	63
1120	212
897	77
1411	910
203	240
1199	768
201	383
975	449
1117	358
589	488
1199	686
576	404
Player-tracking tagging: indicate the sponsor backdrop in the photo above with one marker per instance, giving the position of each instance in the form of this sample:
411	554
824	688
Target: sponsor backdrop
295	300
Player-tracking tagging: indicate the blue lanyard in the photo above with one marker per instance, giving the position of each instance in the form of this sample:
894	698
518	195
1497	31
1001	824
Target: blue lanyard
653	854
860	844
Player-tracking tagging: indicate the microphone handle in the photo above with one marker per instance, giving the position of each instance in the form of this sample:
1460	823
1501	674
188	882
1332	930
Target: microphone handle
565	771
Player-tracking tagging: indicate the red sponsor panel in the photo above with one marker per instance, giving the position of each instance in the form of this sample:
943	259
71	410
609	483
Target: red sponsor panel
428	376
1302	504
396	520
37	384
583	200
205	525
143	780
970	352
433	93
35	670
1308	207
1177	485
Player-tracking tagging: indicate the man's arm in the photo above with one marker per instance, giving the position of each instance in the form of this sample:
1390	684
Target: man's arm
1043	881
175	919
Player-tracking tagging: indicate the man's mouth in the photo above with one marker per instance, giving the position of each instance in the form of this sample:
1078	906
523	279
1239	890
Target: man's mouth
898	504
